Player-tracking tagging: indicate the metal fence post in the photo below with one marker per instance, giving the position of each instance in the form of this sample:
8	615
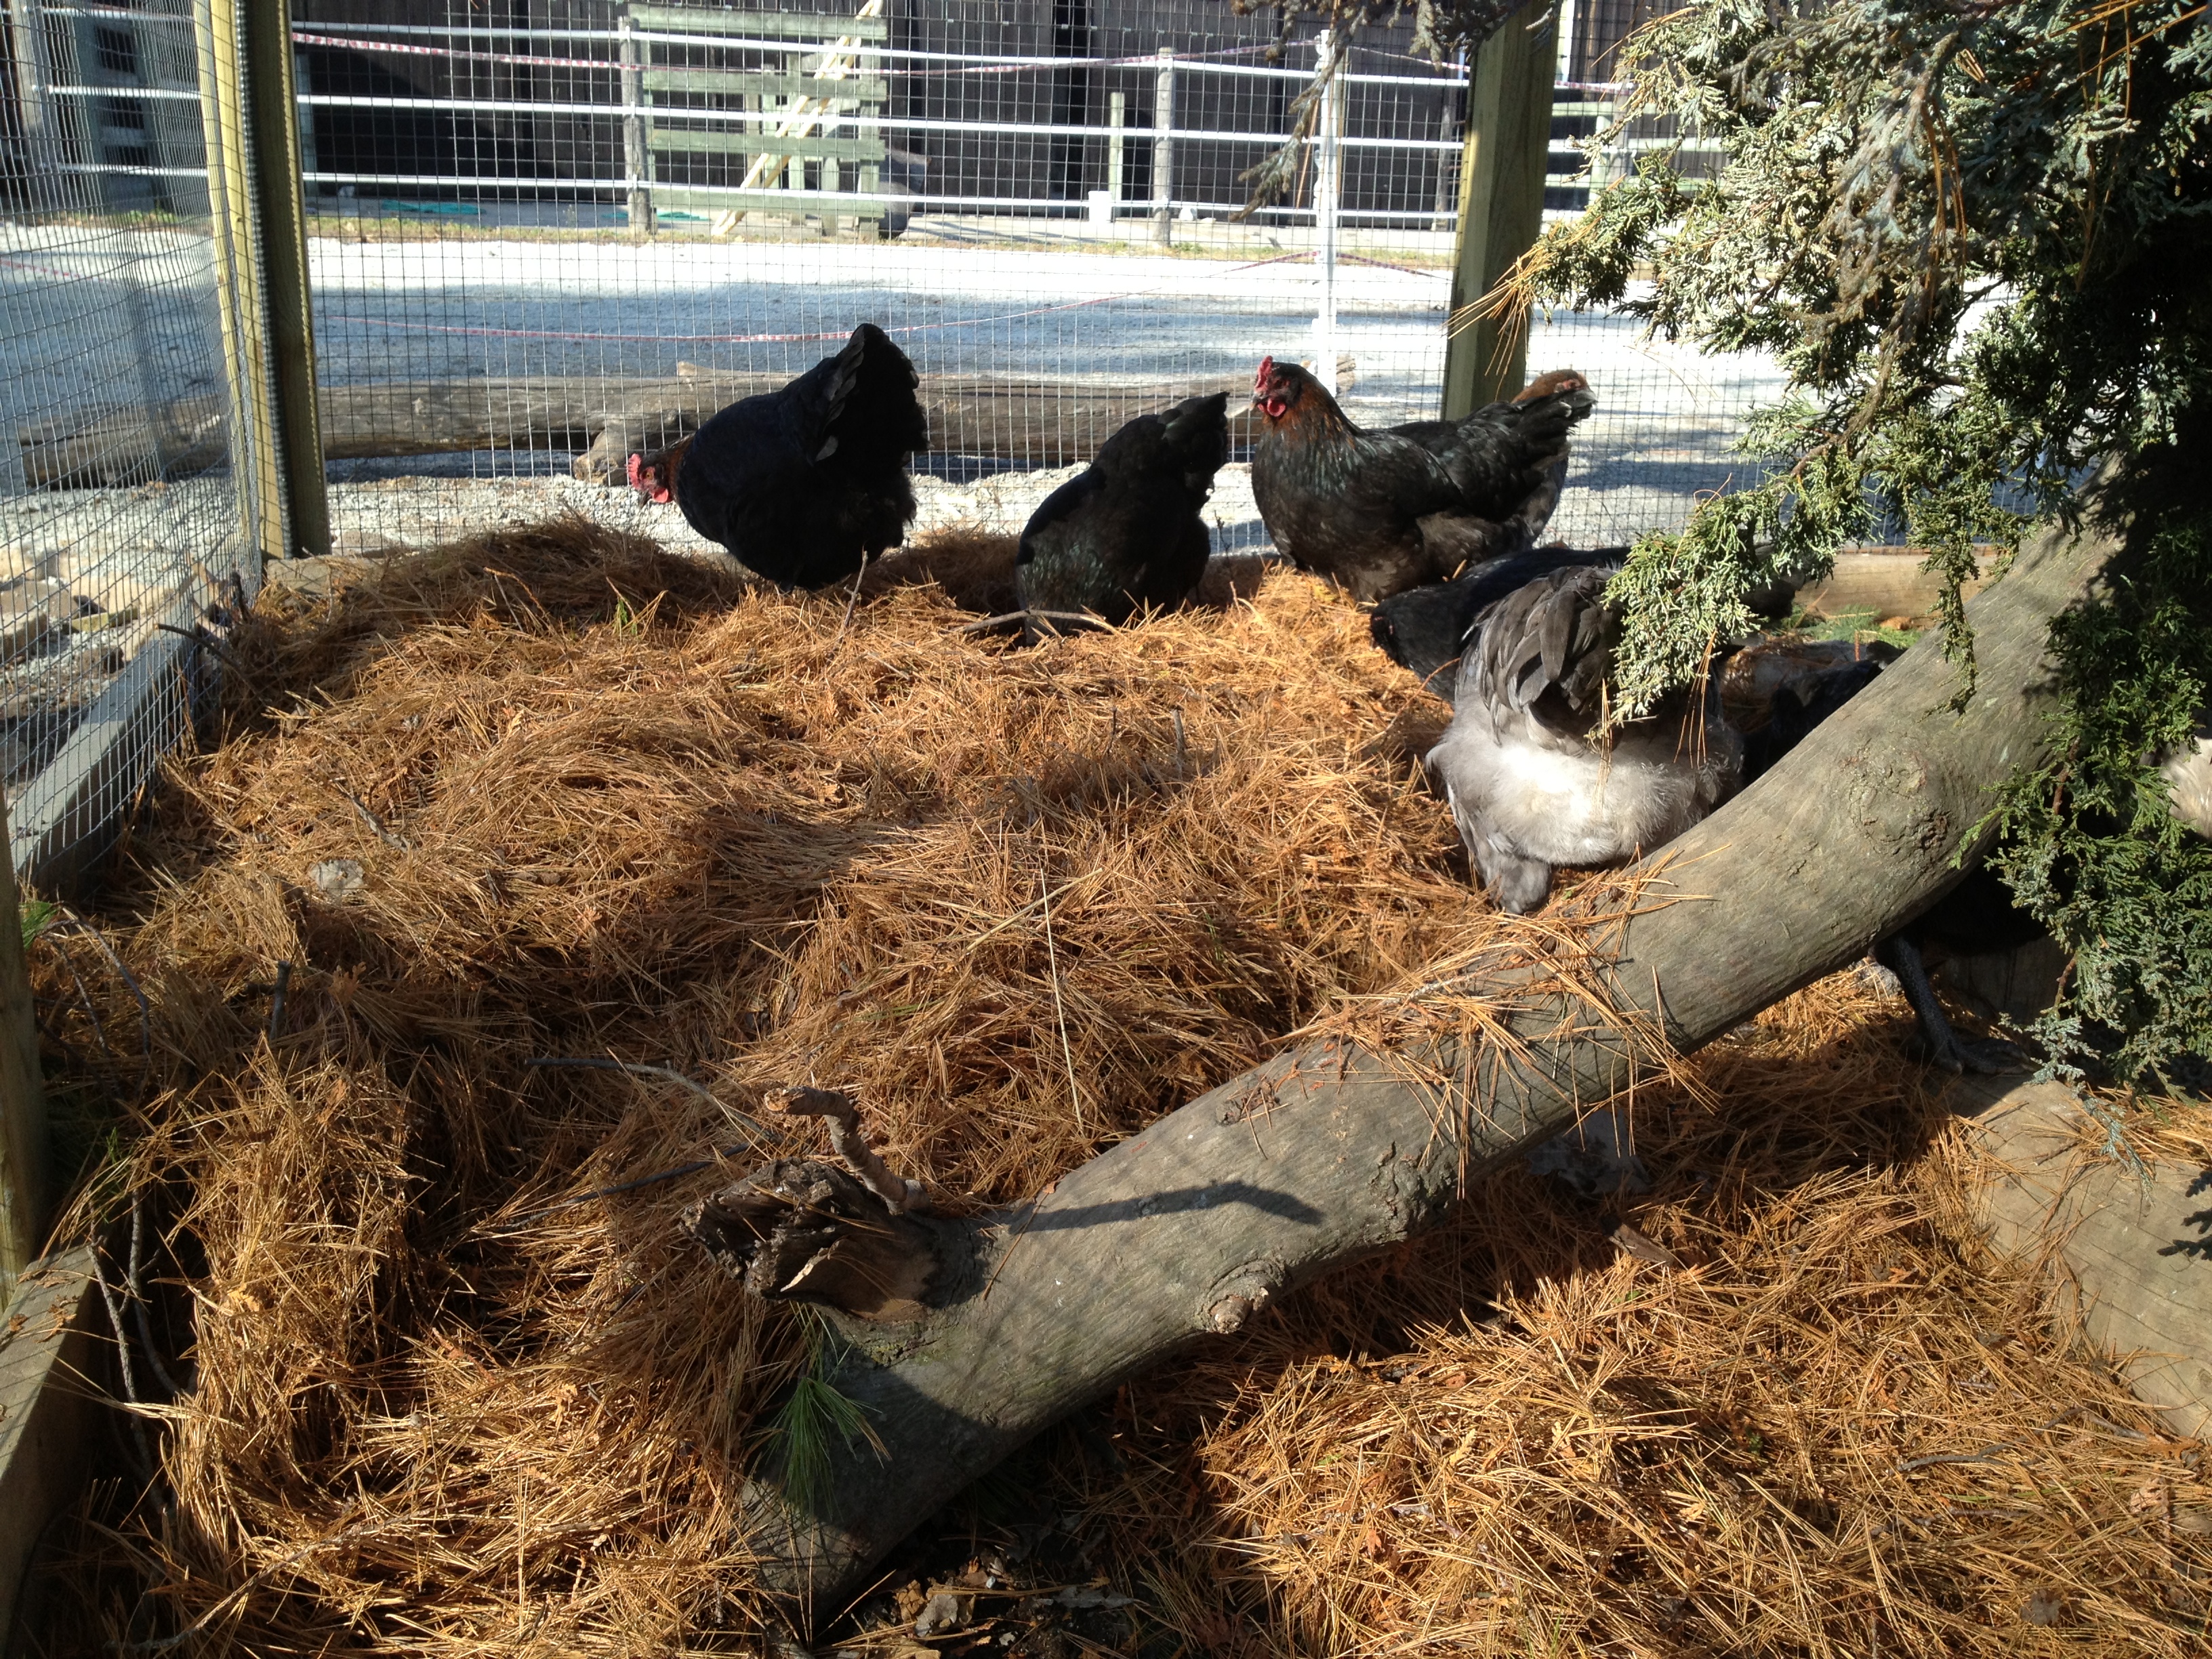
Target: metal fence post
1501	207
635	161
1163	148
1327	159
22	1091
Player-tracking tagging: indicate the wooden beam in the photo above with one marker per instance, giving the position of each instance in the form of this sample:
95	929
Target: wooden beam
274	121
1045	422
809	26
23	1092
49	1422
1055	422
1888	581
1501	203
246	418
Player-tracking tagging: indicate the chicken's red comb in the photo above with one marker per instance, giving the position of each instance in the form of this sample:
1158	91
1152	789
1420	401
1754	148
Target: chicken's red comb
1266	371
636	465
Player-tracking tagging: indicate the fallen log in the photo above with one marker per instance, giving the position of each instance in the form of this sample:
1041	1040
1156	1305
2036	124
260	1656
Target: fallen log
1002	1323
2128	1248
1037	422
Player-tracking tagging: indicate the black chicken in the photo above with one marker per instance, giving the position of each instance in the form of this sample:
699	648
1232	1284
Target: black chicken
1378	512
1779	691
1126	533
805	484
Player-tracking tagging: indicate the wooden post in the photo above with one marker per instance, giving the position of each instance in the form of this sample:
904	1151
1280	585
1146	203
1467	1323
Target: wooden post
1117	116
273	121
637	159
22	1094
1505	155
1163	148
245	319
1328	161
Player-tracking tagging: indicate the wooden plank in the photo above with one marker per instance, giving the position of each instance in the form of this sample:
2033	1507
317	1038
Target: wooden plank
722	198
1501	205
759	25
2130	1251
47	1398
65	819
23	1174
1889	583
734	83
757	201
114	443
1036	422
800	148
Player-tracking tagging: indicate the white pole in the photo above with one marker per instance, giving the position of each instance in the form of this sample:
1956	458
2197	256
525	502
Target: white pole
1116	115
1328	129
1163	148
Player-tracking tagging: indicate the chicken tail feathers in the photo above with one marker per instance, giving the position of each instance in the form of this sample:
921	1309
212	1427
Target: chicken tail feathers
1555	635
1197	435
867	394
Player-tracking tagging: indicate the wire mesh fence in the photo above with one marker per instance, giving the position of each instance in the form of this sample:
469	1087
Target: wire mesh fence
540	243
120	512
540	237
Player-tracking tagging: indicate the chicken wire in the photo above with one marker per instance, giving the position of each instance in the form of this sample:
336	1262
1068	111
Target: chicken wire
119	507
522	219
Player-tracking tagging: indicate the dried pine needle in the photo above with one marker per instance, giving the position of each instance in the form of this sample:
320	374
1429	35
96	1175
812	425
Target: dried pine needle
611	804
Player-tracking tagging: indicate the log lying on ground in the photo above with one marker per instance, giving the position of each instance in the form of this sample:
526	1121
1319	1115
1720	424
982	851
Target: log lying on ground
2130	1249
995	1327
1039	423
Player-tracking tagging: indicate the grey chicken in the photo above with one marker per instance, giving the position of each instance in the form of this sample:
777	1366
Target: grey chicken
1531	781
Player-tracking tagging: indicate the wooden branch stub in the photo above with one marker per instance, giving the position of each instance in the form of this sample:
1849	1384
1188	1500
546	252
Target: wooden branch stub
836	1106
800	1230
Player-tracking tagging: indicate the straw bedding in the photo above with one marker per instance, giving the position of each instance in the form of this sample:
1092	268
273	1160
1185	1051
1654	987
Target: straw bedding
608	803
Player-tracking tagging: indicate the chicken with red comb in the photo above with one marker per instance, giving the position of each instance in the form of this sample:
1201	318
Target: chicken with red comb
805	484
654	477
1379	512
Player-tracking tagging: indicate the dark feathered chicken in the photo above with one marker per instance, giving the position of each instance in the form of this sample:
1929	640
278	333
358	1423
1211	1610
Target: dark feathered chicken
1381	512
1126	533
805	484
1775	688
1424	629
1777	692
1530	784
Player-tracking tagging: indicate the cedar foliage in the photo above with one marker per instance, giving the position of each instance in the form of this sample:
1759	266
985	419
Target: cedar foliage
1978	235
